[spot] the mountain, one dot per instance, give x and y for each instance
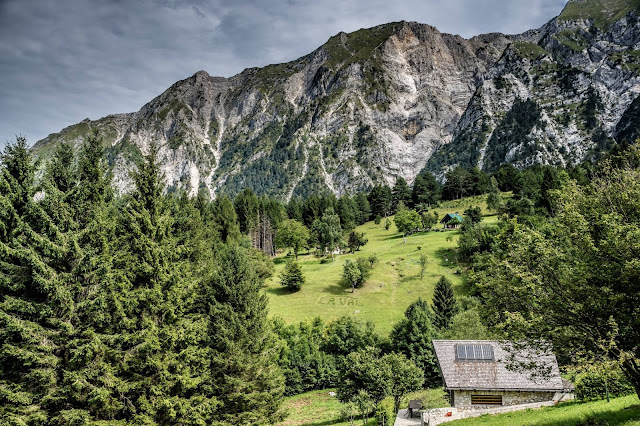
(388, 101)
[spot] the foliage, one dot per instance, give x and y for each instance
(467, 325)
(407, 221)
(379, 376)
(348, 334)
(412, 337)
(601, 381)
(328, 230)
(356, 240)
(355, 274)
(474, 214)
(572, 282)
(385, 412)
(401, 193)
(444, 304)
(292, 276)
(305, 365)
(423, 264)
(292, 234)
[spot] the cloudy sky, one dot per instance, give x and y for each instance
(65, 60)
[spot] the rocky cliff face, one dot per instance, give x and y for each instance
(379, 103)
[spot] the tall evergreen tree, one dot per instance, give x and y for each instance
(380, 200)
(364, 208)
(244, 373)
(444, 304)
(426, 190)
(35, 304)
(401, 193)
(412, 337)
(145, 309)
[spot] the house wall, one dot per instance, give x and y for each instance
(463, 398)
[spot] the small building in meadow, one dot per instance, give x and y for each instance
(451, 221)
(476, 375)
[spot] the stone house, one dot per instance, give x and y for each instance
(475, 374)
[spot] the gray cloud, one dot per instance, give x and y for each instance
(63, 61)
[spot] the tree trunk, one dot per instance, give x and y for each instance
(632, 371)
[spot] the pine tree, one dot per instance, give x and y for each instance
(444, 304)
(149, 340)
(35, 304)
(426, 190)
(292, 276)
(244, 373)
(412, 337)
(401, 193)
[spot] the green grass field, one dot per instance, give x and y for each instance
(318, 408)
(395, 281)
(620, 411)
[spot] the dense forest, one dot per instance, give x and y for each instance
(147, 308)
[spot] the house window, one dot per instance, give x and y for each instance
(486, 399)
(474, 352)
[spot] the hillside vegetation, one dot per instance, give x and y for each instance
(394, 284)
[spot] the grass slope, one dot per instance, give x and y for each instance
(318, 408)
(394, 284)
(620, 411)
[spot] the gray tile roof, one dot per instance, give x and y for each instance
(474, 375)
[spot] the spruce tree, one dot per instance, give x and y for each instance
(244, 375)
(149, 337)
(412, 337)
(401, 193)
(292, 276)
(35, 303)
(444, 304)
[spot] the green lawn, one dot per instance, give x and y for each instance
(318, 408)
(394, 284)
(620, 411)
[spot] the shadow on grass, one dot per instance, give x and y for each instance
(280, 291)
(338, 289)
(357, 421)
(447, 257)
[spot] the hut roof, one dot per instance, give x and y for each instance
(482, 365)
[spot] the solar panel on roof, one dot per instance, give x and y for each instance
(474, 352)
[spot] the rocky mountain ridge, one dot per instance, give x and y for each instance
(379, 103)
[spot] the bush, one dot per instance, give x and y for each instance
(324, 260)
(292, 276)
(385, 416)
(594, 382)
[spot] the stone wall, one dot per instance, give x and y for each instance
(436, 416)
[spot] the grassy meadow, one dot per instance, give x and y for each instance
(318, 408)
(620, 411)
(394, 283)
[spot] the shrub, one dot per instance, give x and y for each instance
(385, 416)
(594, 383)
(292, 276)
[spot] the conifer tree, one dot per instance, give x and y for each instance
(412, 337)
(34, 302)
(244, 375)
(401, 193)
(149, 339)
(444, 304)
(292, 276)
